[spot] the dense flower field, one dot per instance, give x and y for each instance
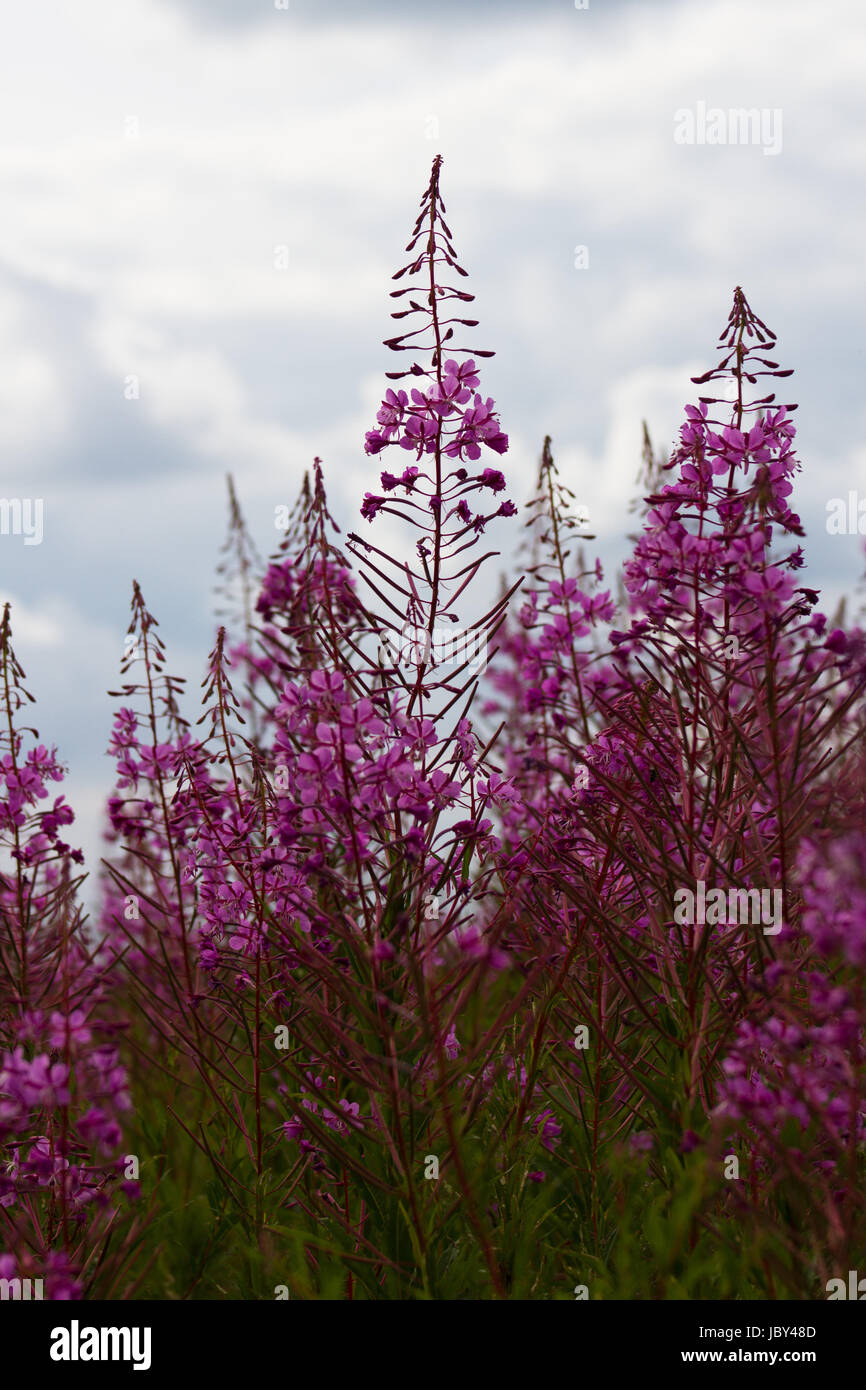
(459, 954)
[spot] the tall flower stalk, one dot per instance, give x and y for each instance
(63, 1091)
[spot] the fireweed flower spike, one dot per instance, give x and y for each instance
(446, 425)
(544, 679)
(708, 726)
(63, 1091)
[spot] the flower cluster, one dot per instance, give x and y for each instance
(63, 1089)
(805, 1062)
(448, 424)
(449, 416)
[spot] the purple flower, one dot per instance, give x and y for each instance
(74, 1026)
(549, 1129)
(498, 442)
(492, 478)
(641, 1142)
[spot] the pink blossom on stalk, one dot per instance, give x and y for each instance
(59, 1093)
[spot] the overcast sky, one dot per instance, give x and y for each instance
(154, 153)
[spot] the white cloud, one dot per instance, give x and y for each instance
(35, 627)
(33, 405)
